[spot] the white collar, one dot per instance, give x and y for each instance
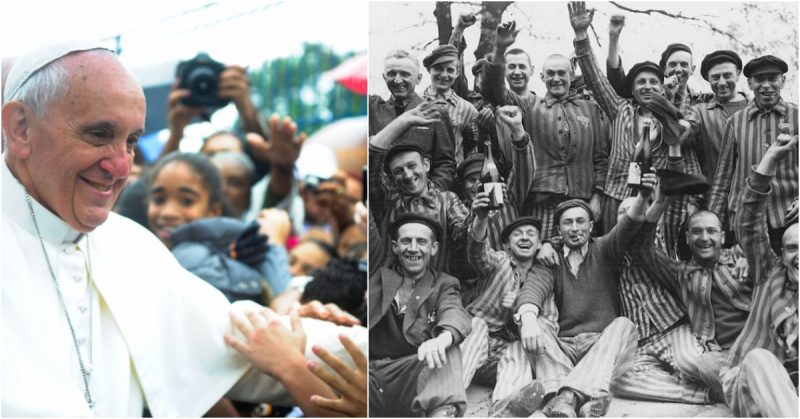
(584, 250)
(54, 229)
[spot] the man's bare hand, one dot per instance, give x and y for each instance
(233, 85)
(616, 24)
(466, 20)
(547, 256)
(579, 17)
(432, 351)
(283, 148)
(531, 334)
(351, 385)
(506, 34)
(268, 344)
(178, 114)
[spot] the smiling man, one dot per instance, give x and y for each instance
(747, 135)
(416, 322)
(91, 324)
(401, 75)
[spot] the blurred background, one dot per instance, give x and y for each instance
(751, 29)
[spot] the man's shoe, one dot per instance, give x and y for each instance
(679, 183)
(561, 406)
(522, 403)
(596, 407)
(446, 411)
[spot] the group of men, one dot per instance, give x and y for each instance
(574, 290)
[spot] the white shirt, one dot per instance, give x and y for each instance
(157, 328)
(575, 258)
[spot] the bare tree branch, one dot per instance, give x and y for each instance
(703, 23)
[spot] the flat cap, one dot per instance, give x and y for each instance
(572, 203)
(671, 49)
(635, 70)
(400, 148)
(473, 162)
(765, 64)
(442, 54)
(414, 217)
(32, 61)
(717, 57)
(520, 222)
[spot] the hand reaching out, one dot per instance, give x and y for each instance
(268, 344)
(579, 17)
(283, 148)
(351, 385)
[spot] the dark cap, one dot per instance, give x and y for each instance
(766, 64)
(419, 218)
(635, 70)
(441, 54)
(519, 222)
(571, 203)
(397, 149)
(471, 163)
(717, 57)
(671, 49)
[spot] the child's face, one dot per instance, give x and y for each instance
(178, 196)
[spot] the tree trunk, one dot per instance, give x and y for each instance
(491, 14)
(444, 21)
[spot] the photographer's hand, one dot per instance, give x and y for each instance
(178, 116)
(233, 85)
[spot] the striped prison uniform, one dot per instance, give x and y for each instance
(748, 135)
(666, 343)
(773, 320)
(494, 341)
(593, 345)
(518, 183)
(435, 139)
(624, 136)
(724, 284)
(463, 117)
(387, 202)
(707, 121)
(570, 142)
(752, 389)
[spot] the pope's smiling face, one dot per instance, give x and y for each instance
(81, 148)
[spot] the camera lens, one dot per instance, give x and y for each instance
(202, 81)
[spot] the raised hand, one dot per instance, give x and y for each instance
(579, 17)
(178, 114)
(616, 24)
(506, 34)
(480, 204)
(466, 20)
(283, 148)
(249, 247)
(425, 113)
(233, 85)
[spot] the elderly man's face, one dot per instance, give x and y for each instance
(401, 76)
(767, 88)
(443, 75)
(722, 78)
(81, 150)
(414, 247)
(680, 62)
(410, 172)
(518, 72)
(646, 84)
(557, 76)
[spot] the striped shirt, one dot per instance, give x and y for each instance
(772, 324)
(499, 275)
(649, 305)
(387, 202)
(708, 125)
(694, 285)
(624, 132)
(570, 138)
(463, 116)
(748, 134)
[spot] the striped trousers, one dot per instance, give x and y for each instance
(407, 387)
(588, 362)
(485, 355)
(650, 378)
(760, 386)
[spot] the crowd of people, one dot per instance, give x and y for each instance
(239, 288)
(584, 284)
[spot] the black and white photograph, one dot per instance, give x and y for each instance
(583, 209)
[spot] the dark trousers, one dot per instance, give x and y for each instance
(406, 387)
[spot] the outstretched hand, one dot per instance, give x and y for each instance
(351, 385)
(268, 344)
(579, 17)
(283, 147)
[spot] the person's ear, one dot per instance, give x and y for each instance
(16, 123)
(434, 248)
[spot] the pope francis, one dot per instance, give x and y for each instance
(98, 319)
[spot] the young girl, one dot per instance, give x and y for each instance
(188, 212)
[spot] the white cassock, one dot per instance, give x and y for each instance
(157, 329)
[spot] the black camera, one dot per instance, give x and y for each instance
(201, 76)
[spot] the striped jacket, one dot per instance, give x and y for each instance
(462, 115)
(624, 134)
(693, 283)
(748, 134)
(570, 138)
(386, 203)
(772, 323)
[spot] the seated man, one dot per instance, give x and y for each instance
(416, 322)
(756, 384)
(592, 344)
